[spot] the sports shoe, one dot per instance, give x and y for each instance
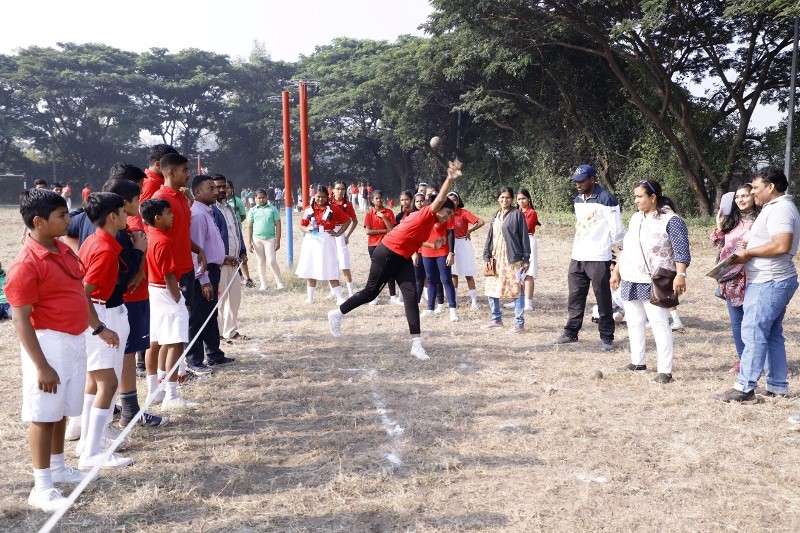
(146, 420)
(630, 367)
(178, 404)
(794, 419)
(373, 302)
(141, 373)
(335, 322)
(279, 287)
(224, 360)
(249, 284)
(677, 325)
(48, 500)
(735, 396)
(735, 368)
(453, 315)
(662, 378)
(104, 445)
(607, 345)
(427, 313)
(510, 305)
(308, 301)
(396, 300)
(419, 352)
(158, 397)
(340, 301)
(67, 475)
(770, 394)
(331, 295)
(474, 306)
(262, 288)
(199, 369)
(73, 431)
(493, 324)
(439, 309)
(566, 338)
(528, 307)
(515, 331)
(114, 460)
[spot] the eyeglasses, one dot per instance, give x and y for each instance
(648, 185)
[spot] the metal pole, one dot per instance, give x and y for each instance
(304, 170)
(787, 163)
(199, 167)
(287, 177)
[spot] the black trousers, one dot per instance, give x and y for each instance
(581, 274)
(201, 308)
(386, 265)
(392, 283)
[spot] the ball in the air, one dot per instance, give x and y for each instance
(436, 142)
(597, 374)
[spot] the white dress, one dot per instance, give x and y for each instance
(318, 257)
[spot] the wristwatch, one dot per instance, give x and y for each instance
(682, 274)
(99, 329)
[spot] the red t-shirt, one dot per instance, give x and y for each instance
(347, 207)
(407, 237)
(152, 183)
(373, 221)
(160, 257)
(462, 219)
(439, 230)
(85, 193)
(135, 223)
(328, 217)
(100, 256)
(53, 284)
(532, 219)
(181, 220)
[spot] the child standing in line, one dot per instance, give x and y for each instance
(100, 255)
(437, 258)
(264, 236)
(43, 281)
(465, 223)
(378, 222)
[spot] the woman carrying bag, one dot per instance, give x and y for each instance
(654, 258)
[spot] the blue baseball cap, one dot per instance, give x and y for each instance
(583, 172)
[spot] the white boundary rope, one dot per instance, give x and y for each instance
(78, 490)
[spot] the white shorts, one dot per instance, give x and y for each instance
(169, 320)
(67, 355)
(533, 269)
(318, 258)
(342, 252)
(100, 355)
(464, 264)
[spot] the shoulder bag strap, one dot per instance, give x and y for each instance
(646, 264)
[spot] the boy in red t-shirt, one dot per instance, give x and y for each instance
(43, 281)
(108, 328)
(169, 316)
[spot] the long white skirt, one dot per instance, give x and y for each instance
(342, 252)
(464, 264)
(318, 258)
(533, 269)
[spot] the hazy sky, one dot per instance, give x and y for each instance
(228, 27)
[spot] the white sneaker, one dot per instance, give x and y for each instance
(158, 398)
(425, 295)
(309, 301)
(104, 444)
(279, 287)
(340, 301)
(794, 419)
(677, 325)
(453, 315)
(178, 404)
(262, 288)
(49, 500)
(374, 302)
(395, 300)
(509, 305)
(115, 460)
(439, 309)
(69, 475)
(419, 352)
(73, 431)
(111, 433)
(474, 306)
(528, 307)
(335, 322)
(331, 296)
(427, 313)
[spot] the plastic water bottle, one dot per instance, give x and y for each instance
(313, 225)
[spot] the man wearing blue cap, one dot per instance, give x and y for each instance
(598, 227)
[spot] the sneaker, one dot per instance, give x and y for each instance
(474, 306)
(770, 394)
(147, 420)
(249, 284)
(73, 431)
(141, 373)
(262, 288)
(419, 352)
(335, 322)
(224, 360)
(199, 369)
(439, 309)
(309, 301)
(114, 460)
(566, 338)
(677, 326)
(630, 367)
(607, 345)
(67, 475)
(373, 302)
(331, 296)
(178, 404)
(395, 300)
(48, 500)
(340, 301)
(427, 313)
(493, 324)
(453, 315)
(515, 331)
(158, 397)
(735, 396)
(279, 287)
(662, 378)
(735, 368)
(794, 419)
(528, 307)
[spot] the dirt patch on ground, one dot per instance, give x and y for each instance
(495, 433)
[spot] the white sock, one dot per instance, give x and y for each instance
(416, 341)
(528, 302)
(88, 401)
(172, 390)
(161, 373)
(152, 384)
(350, 287)
(676, 318)
(42, 479)
(57, 462)
(98, 418)
(473, 294)
(310, 292)
(338, 292)
(182, 367)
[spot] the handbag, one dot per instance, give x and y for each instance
(662, 293)
(490, 268)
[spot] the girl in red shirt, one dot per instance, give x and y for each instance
(378, 222)
(343, 241)
(318, 257)
(532, 219)
(464, 223)
(437, 257)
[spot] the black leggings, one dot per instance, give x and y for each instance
(386, 265)
(392, 284)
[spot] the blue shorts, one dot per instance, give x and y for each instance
(139, 320)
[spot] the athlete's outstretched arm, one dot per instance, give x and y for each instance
(453, 173)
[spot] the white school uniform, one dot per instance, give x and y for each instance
(169, 320)
(100, 355)
(464, 263)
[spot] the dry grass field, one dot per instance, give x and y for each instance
(494, 433)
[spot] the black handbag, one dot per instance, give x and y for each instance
(662, 292)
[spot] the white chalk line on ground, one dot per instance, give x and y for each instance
(78, 490)
(392, 427)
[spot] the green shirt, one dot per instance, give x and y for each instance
(262, 219)
(238, 206)
(3, 287)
